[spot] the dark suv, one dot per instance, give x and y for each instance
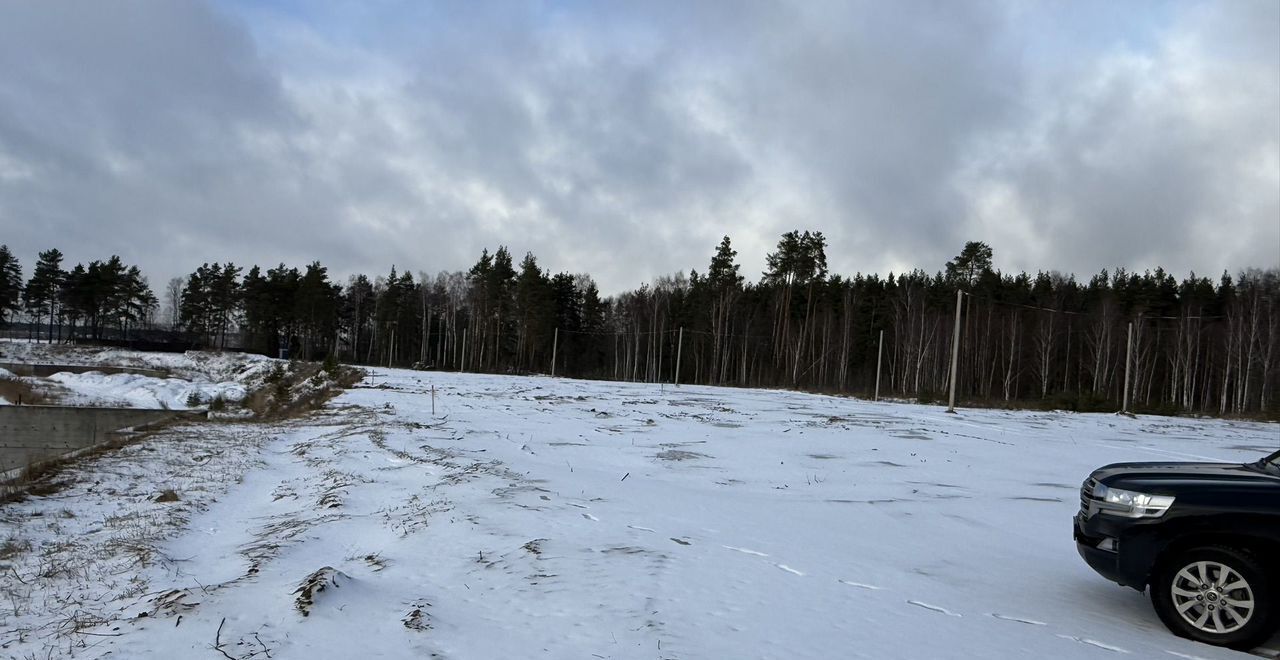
(1204, 536)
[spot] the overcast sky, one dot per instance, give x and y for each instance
(624, 139)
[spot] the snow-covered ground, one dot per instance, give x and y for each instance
(545, 518)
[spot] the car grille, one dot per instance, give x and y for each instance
(1086, 495)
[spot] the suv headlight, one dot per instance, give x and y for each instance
(1131, 504)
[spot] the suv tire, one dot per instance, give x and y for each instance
(1216, 595)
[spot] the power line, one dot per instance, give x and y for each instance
(1069, 312)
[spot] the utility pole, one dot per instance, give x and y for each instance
(955, 353)
(879, 355)
(1128, 364)
(679, 350)
(555, 343)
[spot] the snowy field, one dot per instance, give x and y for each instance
(545, 518)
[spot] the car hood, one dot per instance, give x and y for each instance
(1169, 478)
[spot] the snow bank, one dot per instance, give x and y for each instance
(134, 391)
(196, 378)
(191, 365)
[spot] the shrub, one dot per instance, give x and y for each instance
(331, 366)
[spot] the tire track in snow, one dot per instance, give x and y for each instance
(745, 551)
(1093, 642)
(933, 608)
(860, 585)
(1017, 619)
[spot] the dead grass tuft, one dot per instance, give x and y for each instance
(13, 547)
(167, 495)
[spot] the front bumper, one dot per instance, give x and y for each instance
(1129, 560)
(1105, 562)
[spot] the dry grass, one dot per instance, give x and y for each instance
(303, 387)
(20, 391)
(13, 547)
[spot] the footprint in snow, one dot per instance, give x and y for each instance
(590, 517)
(745, 551)
(933, 608)
(682, 541)
(1006, 617)
(1094, 642)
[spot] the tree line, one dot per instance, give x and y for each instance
(1199, 345)
(89, 301)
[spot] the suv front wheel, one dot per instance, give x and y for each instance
(1216, 595)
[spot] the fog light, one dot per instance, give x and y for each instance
(1107, 544)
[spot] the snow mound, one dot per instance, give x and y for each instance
(134, 391)
(313, 590)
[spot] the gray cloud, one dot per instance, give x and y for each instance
(1168, 156)
(623, 140)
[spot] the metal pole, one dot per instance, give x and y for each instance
(879, 354)
(955, 353)
(555, 343)
(433, 400)
(679, 350)
(463, 366)
(1128, 362)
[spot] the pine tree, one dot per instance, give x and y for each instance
(316, 307)
(10, 284)
(535, 316)
(972, 262)
(41, 295)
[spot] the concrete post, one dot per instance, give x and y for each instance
(679, 350)
(879, 355)
(1128, 364)
(955, 353)
(555, 343)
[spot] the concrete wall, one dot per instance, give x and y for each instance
(33, 433)
(46, 370)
